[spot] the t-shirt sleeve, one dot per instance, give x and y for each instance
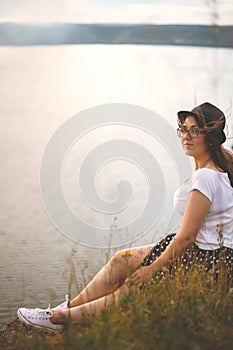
(204, 180)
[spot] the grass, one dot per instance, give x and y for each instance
(177, 313)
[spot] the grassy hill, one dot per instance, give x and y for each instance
(192, 313)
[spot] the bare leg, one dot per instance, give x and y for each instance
(112, 275)
(79, 313)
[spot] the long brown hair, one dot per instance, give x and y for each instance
(222, 158)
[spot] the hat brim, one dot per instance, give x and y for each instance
(182, 115)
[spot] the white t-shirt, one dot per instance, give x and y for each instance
(217, 228)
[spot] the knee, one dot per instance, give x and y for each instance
(117, 259)
(118, 263)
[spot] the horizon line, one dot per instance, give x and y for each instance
(115, 23)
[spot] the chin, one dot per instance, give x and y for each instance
(188, 153)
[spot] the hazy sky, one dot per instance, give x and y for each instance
(117, 11)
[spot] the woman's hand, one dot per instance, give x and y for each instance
(142, 275)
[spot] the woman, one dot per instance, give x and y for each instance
(205, 235)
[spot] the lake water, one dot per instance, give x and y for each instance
(41, 88)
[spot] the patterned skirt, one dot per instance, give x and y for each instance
(210, 261)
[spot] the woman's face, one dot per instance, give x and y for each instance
(193, 145)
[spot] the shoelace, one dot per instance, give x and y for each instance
(38, 313)
(38, 310)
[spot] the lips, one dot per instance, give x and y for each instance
(187, 146)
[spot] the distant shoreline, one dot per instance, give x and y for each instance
(14, 34)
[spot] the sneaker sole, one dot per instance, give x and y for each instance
(28, 323)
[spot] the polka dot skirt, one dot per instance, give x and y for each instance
(208, 260)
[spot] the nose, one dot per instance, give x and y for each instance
(186, 135)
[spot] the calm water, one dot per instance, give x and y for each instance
(41, 87)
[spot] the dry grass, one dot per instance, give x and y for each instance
(178, 313)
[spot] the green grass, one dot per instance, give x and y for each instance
(177, 313)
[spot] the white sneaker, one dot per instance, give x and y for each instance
(39, 318)
(63, 306)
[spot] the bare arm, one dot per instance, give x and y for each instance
(196, 210)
